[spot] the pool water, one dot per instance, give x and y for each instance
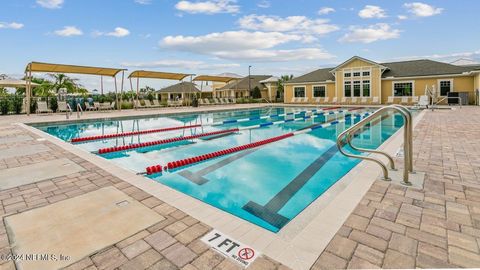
(268, 185)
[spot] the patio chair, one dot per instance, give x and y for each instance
(216, 101)
(62, 106)
(344, 100)
(404, 101)
(424, 101)
(138, 105)
(42, 107)
(317, 100)
(156, 103)
(148, 104)
(414, 100)
(89, 107)
(200, 102)
(225, 101)
(354, 100)
(234, 100)
(390, 100)
(112, 106)
(334, 100)
(326, 100)
(375, 100)
(96, 105)
(206, 101)
(363, 100)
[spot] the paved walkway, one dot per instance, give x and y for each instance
(437, 227)
(392, 227)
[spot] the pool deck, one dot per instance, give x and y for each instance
(391, 227)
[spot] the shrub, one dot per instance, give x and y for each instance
(150, 96)
(4, 105)
(256, 92)
(127, 105)
(54, 104)
(17, 103)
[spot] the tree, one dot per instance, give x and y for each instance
(63, 81)
(283, 79)
(3, 91)
(256, 92)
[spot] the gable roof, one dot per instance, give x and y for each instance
(243, 83)
(357, 58)
(318, 75)
(181, 87)
(423, 67)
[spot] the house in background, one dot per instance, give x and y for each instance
(183, 91)
(241, 88)
(361, 79)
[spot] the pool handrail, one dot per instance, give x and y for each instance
(407, 145)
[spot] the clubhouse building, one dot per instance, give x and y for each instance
(361, 81)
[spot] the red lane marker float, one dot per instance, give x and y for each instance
(331, 108)
(188, 161)
(123, 134)
(164, 141)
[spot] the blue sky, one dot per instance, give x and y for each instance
(215, 36)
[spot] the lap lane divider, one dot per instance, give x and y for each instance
(148, 131)
(188, 161)
(215, 133)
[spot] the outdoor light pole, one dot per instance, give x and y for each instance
(249, 84)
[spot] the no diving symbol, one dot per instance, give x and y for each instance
(246, 253)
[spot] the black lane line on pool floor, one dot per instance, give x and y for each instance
(269, 212)
(197, 177)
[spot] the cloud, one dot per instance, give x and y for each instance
(372, 33)
(369, 12)
(12, 25)
(444, 57)
(295, 24)
(117, 32)
(325, 10)
(264, 4)
(208, 7)
(51, 4)
(231, 45)
(143, 2)
(422, 10)
(68, 31)
(402, 17)
(183, 64)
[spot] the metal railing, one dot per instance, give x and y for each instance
(79, 110)
(349, 133)
(442, 99)
(68, 111)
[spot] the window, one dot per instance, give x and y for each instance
(403, 89)
(356, 74)
(348, 75)
(347, 89)
(299, 91)
(366, 88)
(356, 88)
(445, 87)
(319, 91)
(366, 74)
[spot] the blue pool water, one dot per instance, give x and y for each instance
(267, 186)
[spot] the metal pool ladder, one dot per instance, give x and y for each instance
(349, 133)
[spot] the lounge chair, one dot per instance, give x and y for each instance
(363, 100)
(206, 101)
(404, 101)
(334, 100)
(112, 106)
(390, 100)
(376, 100)
(138, 105)
(326, 100)
(96, 105)
(42, 107)
(156, 103)
(234, 100)
(343, 100)
(216, 101)
(317, 100)
(354, 100)
(62, 106)
(148, 104)
(225, 101)
(200, 102)
(414, 99)
(89, 107)
(424, 101)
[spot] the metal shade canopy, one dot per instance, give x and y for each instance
(61, 68)
(214, 78)
(158, 75)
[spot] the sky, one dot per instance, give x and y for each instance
(275, 37)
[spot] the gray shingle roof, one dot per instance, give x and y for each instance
(318, 75)
(422, 67)
(243, 83)
(412, 68)
(180, 88)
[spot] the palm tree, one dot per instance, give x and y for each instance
(63, 81)
(283, 79)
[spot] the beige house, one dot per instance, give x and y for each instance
(240, 88)
(361, 81)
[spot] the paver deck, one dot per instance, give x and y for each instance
(392, 227)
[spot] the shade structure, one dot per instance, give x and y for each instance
(158, 75)
(209, 78)
(9, 82)
(62, 68)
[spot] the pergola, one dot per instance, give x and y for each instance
(62, 68)
(210, 78)
(155, 75)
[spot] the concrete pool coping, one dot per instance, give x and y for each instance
(300, 242)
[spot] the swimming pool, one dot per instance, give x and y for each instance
(267, 184)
